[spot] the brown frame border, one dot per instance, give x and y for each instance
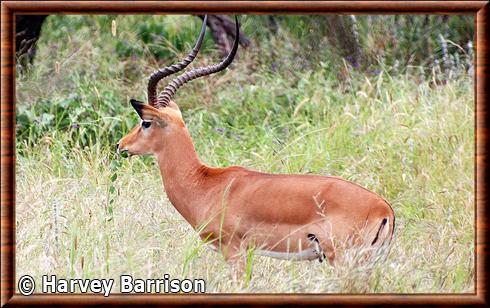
(10, 8)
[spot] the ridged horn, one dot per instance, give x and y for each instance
(169, 91)
(169, 70)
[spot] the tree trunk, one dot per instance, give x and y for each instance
(223, 32)
(346, 38)
(27, 31)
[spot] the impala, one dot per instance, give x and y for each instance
(296, 217)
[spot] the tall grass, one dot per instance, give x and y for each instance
(403, 135)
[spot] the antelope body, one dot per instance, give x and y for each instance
(300, 217)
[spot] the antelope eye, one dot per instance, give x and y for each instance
(145, 124)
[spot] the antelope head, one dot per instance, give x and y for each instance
(161, 118)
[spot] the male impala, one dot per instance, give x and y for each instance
(300, 217)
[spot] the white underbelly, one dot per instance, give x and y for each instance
(307, 254)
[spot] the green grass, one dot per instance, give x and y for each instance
(399, 135)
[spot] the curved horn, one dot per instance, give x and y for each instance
(169, 91)
(169, 70)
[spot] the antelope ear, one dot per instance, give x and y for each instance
(138, 106)
(175, 107)
(145, 111)
(149, 113)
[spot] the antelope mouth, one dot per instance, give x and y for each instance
(124, 153)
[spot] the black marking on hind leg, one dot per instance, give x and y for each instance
(379, 230)
(318, 250)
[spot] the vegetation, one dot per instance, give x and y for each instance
(400, 126)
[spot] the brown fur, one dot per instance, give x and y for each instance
(236, 208)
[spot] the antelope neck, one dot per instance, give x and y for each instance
(180, 170)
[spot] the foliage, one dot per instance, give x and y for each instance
(79, 108)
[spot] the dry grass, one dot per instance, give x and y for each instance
(63, 230)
